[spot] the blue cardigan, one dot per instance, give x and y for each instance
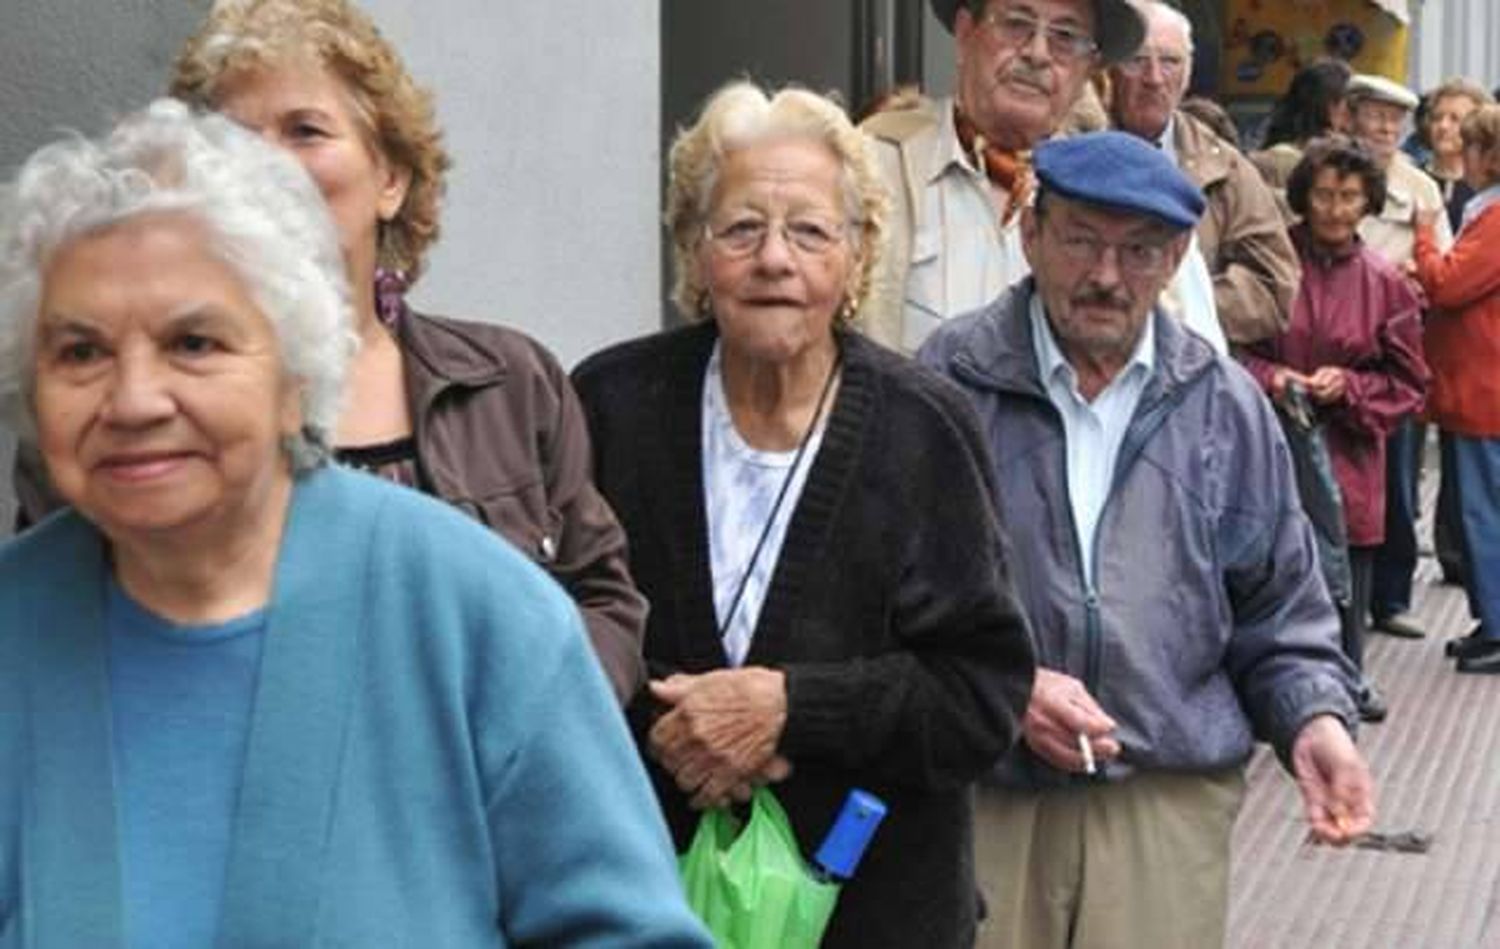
(434, 757)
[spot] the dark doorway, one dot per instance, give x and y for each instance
(855, 49)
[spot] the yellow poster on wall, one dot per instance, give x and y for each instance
(1267, 41)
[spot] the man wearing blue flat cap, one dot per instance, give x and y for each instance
(1165, 564)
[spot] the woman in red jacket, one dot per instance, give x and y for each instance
(1353, 347)
(1463, 345)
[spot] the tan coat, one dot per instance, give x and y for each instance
(1242, 235)
(1391, 233)
(945, 250)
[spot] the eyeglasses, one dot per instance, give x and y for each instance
(741, 237)
(1331, 199)
(1064, 43)
(1172, 65)
(1144, 257)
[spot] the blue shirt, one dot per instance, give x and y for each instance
(1093, 430)
(180, 701)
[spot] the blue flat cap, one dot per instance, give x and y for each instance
(1121, 172)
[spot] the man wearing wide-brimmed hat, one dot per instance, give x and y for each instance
(958, 168)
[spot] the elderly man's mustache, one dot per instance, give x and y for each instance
(1102, 297)
(1023, 73)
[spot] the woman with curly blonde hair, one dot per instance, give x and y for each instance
(476, 414)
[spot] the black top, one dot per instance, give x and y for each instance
(395, 460)
(1456, 193)
(908, 663)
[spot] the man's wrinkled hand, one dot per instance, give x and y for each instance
(1060, 710)
(1338, 794)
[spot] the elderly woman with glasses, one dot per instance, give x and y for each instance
(812, 518)
(1354, 349)
(247, 698)
(476, 414)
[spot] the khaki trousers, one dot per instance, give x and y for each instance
(1138, 864)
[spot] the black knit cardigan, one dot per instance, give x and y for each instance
(908, 662)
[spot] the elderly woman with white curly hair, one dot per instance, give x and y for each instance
(812, 519)
(247, 698)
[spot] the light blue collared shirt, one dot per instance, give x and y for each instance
(1093, 430)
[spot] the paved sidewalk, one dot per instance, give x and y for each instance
(1437, 769)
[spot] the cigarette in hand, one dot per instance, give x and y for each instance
(1087, 750)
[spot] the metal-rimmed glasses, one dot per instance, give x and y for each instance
(809, 234)
(1064, 43)
(1172, 65)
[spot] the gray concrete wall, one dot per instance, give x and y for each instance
(79, 63)
(551, 116)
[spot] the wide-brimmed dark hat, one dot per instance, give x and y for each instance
(1119, 27)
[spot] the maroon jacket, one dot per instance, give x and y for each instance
(1355, 311)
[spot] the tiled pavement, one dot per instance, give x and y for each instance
(1436, 761)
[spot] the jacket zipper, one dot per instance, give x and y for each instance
(1091, 630)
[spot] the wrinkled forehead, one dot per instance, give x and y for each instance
(1453, 103)
(792, 170)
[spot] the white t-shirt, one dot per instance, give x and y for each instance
(740, 485)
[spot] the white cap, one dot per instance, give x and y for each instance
(1380, 89)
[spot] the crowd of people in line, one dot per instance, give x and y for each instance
(1025, 457)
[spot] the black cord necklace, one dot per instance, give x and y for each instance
(786, 483)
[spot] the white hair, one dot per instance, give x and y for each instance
(1169, 13)
(741, 114)
(264, 216)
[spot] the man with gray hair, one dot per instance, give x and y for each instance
(1114, 428)
(1242, 236)
(957, 169)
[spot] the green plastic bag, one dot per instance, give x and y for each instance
(751, 887)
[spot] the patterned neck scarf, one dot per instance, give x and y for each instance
(1009, 171)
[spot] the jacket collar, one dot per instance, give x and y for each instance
(444, 351)
(1321, 255)
(947, 150)
(1201, 154)
(997, 351)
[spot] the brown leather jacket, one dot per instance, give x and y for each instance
(500, 436)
